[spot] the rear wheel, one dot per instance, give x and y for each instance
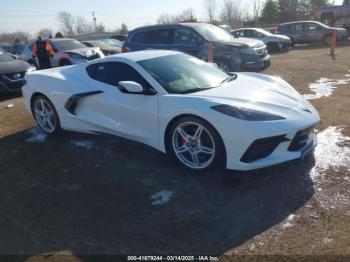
(196, 145)
(45, 115)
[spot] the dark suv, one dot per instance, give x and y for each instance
(310, 32)
(194, 38)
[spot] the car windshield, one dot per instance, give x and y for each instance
(5, 57)
(69, 44)
(213, 33)
(112, 42)
(184, 74)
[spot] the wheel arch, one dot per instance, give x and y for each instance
(35, 95)
(166, 139)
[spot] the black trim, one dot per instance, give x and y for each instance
(72, 102)
(300, 140)
(263, 148)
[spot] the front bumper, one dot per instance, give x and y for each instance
(10, 86)
(257, 63)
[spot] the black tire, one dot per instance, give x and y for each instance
(57, 127)
(273, 47)
(219, 159)
(292, 43)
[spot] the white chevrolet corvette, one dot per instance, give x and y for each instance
(180, 105)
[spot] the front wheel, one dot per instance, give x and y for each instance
(196, 145)
(45, 115)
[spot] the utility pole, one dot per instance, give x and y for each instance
(95, 20)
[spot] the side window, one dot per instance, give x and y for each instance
(160, 36)
(138, 38)
(298, 27)
(237, 34)
(184, 37)
(311, 27)
(113, 72)
(257, 34)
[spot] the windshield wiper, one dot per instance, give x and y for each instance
(194, 90)
(229, 79)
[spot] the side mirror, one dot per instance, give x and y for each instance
(131, 87)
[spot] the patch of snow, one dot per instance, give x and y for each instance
(37, 136)
(288, 222)
(9, 106)
(325, 87)
(83, 143)
(162, 197)
(331, 152)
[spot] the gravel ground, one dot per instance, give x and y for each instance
(79, 195)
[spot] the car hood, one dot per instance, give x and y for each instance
(15, 66)
(86, 52)
(257, 91)
(244, 42)
(280, 37)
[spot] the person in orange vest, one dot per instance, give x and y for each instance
(43, 51)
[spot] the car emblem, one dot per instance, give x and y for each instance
(307, 110)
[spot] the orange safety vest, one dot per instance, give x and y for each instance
(48, 48)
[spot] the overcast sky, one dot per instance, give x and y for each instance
(33, 15)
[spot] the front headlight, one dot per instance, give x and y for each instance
(249, 51)
(246, 113)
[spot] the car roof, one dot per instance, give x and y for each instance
(141, 55)
(299, 22)
(168, 25)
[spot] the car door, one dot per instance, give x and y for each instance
(185, 40)
(133, 116)
(298, 33)
(345, 11)
(313, 32)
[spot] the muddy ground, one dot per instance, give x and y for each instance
(83, 195)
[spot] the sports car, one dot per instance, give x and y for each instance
(203, 117)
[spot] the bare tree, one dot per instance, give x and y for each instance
(230, 13)
(187, 15)
(45, 32)
(256, 9)
(66, 21)
(100, 28)
(17, 37)
(210, 9)
(82, 25)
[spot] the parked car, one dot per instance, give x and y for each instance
(273, 42)
(66, 52)
(311, 32)
(180, 105)
(12, 73)
(120, 38)
(113, 43)
(106, 49)
(194, 38)
(331, 15)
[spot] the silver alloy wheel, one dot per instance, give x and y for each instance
(45, 115)
(193, 145)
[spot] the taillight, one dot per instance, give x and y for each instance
(278, 29)
(124, 50)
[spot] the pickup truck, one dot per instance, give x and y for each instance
(338, 14)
